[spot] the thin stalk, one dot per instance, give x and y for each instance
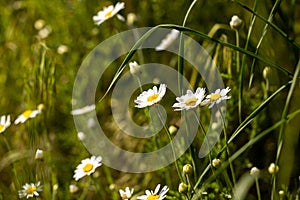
(171, 143)
(257, 188)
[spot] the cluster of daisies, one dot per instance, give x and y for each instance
(185, 102)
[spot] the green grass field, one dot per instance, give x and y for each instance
(42, 48)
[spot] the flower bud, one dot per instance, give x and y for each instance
(135, 68)
(73, 188)
(39, 154)
(182, 188)
(187, 169)
(273, 168)
(235, 22)
(216, 162)
(254, 171)
(172, 129)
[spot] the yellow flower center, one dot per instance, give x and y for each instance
(153, 197)
(108, 14)
(31, 190)
(27, 113)
(215, 97)
(152, 97)
(1, 127)
(191, 101)
(88, 167)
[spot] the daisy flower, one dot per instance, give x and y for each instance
(26, 115)
(150, 195)
(87, 167)
(126, 194)
(83, 110)
(4, 123)
(189, 100)
(108, 12)
(150, 97)
(167, 41)
(216, 97)
(235, 22)
(30, 190)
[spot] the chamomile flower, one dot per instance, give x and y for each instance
(151, 96)
(83, 110)
(4, 123)
(126, 194)
(189, 100)
(87, 167)
(108, 12)
(30, 190)
(27, 115)
(216, 97)
(154, 195)
(167, 41)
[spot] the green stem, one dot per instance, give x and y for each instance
(257, 188)
(172, 145)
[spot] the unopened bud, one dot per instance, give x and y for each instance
(73, 188)
(254, 171)
(187, 169)
(182, 188)
(273, 168)
(216, 162)
(235, 22)
(39, 154)
(172, 129)
(135, 68)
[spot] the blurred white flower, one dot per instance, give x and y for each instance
(81, 136)
(167, 41)
(83, 110)
(4, 123)
(254, 171)
(131, 18)
(235, 22)
(189, 100)
(30, 190)
(39, 154)
(216, 97)
(73, 188)
(172, 129)
(45, 32)
(87, 167)
(26, 115)
(154, 195)
(126, 194)
(216, 162)
(61, 49)
(150, 97)
(134, 68)
(272, 169)
(39, 24)
(108, 12)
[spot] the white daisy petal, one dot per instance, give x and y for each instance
(218, 96)
(168, 40)
(87, 167)
(150, 97)
(27, 115)
(4, 123)
(189, 100)
(154, 194)
(108, 12)
(30, 190)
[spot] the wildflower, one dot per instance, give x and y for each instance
(216, 162)
(216, 97)
(182, 188)
(39, 154)
(45, 32)
(108, 12)
(83, 110)
(150, 195)
(235, 22)
(73, 188)
(135, 68)
(81, 136)
(131, 18)
(273, 168)
(87, 167)
(39, 24)
(172, 129)
(254, 171)
(189, 100)
(126, 194)
(167, 41)
(26, 115)
(281, 193)
(61, 49)
(30, 190)
(187, 169)
(4, 123)
(150, 97)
